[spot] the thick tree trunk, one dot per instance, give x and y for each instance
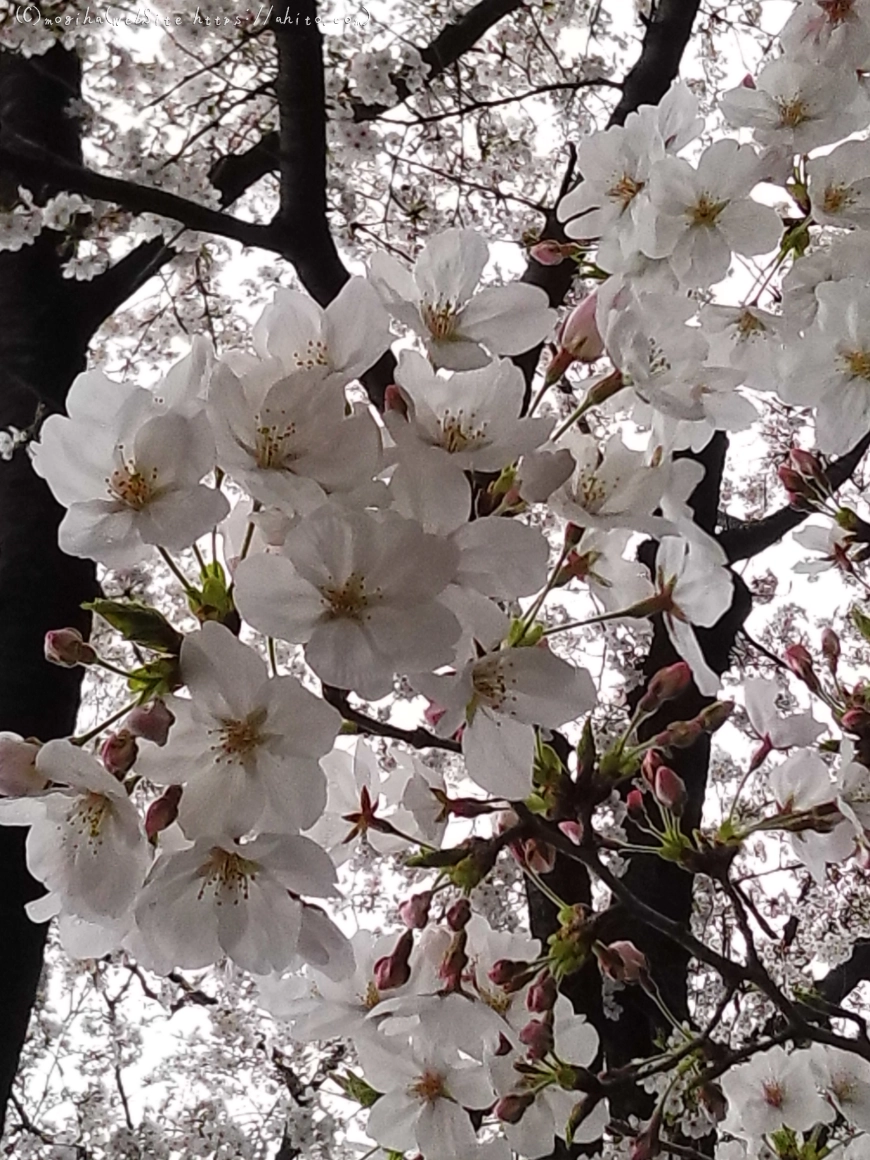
(42, 348)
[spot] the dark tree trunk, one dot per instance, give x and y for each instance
(42, 348)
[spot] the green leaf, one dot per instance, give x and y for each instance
(139, 623)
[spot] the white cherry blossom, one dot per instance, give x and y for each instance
(345, 338)
(128, 471)
(839, 186)
(245, 746)
(219, 897)
(86, 843)
(425, 1094)
(775, 1089)
(499, 697)
(440, 302)
(360, 592)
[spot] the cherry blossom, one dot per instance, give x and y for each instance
(360, 592)
(245, 746)
(128, 472)
(440, 302)
(773, 1090)
(86, 843)
(219, 897)
(499, 698)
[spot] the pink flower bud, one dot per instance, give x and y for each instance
(652, 759)
(18, 773)
(806, 464)
(151, 722)
(67, 647)
(579, 332)
(541, 996)
(414, 911)
(537, 1036)
(800, 662)
(748, 82)
(548, 253)
(510, 1109)
(572, 830)
(163, 812)
(634, 805)
(578, 339)
(459, 914)
(118, 752)
(510, 974)
(622, 961)
(665, 685)
(394, 970)
(670, 790)
(855, 720)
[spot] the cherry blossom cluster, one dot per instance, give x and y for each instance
(211, 817)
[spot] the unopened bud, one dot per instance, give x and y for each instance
(67, 647)
(572, 830)
(714, 716)
(537, 1036)
(163, 812)
(541, 996)
(800, 662)
(807, 464)
(459, 914)
(664, 686)
(856, 720)
(18, 773)
(652, 759)
(118, 752)
(414, 911)
(151, 722)
(510, 1109)
(621, 960)
(394, 970)
(679, 735)
(511, 974)
(713, 1099)
(548, 253)
(670, 790)
(634, 805)
(578, 339)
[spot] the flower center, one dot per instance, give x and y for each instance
(372, 996)
(705, 211)
(748, 325)
(793, 113)
(857, 363)
(625, 190)
(349, 600)
(88, 815)
(844, 1088)
(270, 450)
(837, 198)
(238, 739)
(441, 319)
(429, 1087)
(227, 872)
(131, 487)
(837, 11)
(488, 683)
(313, 354)
(774, 1093)
(459, 434)
(590, 491)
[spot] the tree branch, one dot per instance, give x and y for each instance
(55, 175)
(749, 539)
(449, 45)
(232, 175)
